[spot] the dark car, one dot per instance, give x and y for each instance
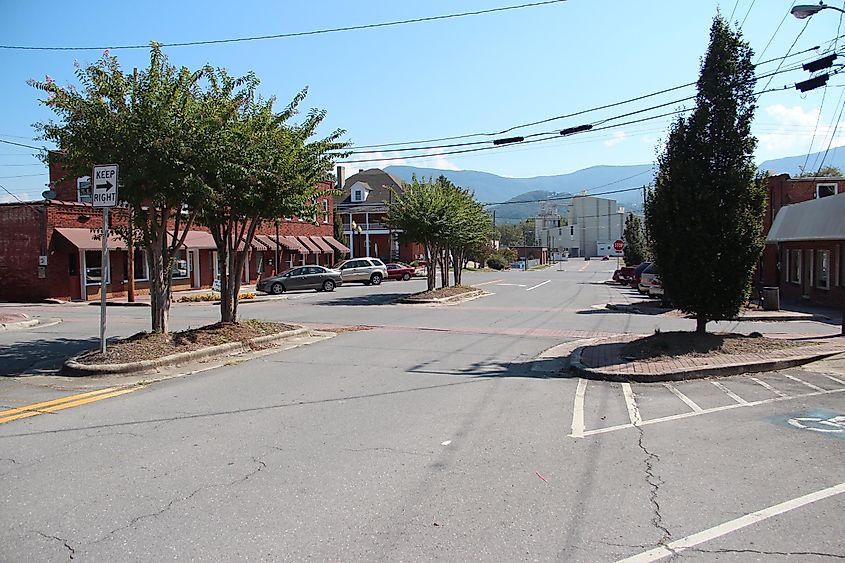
(303, 277)
(399, 271)
(624, 275)
(638, 271)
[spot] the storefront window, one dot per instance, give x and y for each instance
(140, 265)
(823, 269)
(93, 267)
(794, 266)
(181, 265)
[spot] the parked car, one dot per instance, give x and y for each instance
(635, 280)
(646, 277)
(624, 275)
(656, 287)
(399, 271)
(303, 277)
(365, 270)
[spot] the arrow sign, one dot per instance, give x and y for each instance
(104, 181)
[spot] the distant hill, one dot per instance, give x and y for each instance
(597, 180)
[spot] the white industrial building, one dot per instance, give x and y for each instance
(594, 224)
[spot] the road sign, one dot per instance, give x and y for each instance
(618, 245)
(104, 185)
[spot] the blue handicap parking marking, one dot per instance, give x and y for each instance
(817, 421)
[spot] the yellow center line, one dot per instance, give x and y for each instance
(63, 403)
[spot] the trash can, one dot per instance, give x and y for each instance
(771, 298)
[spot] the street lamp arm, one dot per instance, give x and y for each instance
(806, 10)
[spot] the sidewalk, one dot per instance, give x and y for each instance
(604, 361)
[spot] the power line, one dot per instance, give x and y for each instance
(772, 38)
(746, 13)
(22, 145)
(293, 34)
(24, 175)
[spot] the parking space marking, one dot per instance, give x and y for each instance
(538, 285)
(631, 404)
(765, 385)
(578, 410)
(802, 382)
(672, 548)
(730, 393)
(579, 428)
(836, 379)
(584, 267)
(689, 402)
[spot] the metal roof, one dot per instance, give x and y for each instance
(817, 219)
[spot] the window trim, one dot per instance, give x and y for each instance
(834, 185)
(792, 262)
(144, 265)
(85, 269)
(817, 283)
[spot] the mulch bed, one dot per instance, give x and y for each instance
(13, 317)
(152, 345)
(675, 344)
(443, 292)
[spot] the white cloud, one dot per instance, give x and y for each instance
(434, 161)
(617, 138)
(790, 130)
(8, 198)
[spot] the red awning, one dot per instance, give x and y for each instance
(306, 242)
(323, 245)
(294, 244)
(200, 240)
(337, 244)
(83, 239)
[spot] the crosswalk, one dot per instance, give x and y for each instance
(601, 407)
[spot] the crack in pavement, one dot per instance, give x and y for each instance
(765, 552)
(654, 483)
(169, 505)
(64, 542)
(386, 449)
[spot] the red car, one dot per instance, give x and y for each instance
(399, 271)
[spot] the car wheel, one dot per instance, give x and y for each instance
(406, 276)
(328, 285)
(277, 288)
(375, 279)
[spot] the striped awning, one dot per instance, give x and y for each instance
(312, 247)
(322, 244)
(339, 246)
(293, 244)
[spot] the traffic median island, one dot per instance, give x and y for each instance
(149, 350)
(675, 356)
(445, 295)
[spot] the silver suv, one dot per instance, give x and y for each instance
(365, 270)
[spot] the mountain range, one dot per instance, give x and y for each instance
(518, 197)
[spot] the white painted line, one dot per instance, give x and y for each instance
(631, 403)
(836, 379)
(730, 393)
(446, 443)
(538, 285)
(689, 402)
(676, 546)
(487, 282)
(708, 411)
(802, 382)
(769, 387)
(584, 267)
(513, 284)
(578, 410)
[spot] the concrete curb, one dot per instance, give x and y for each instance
(78, 368)
(446, 300)
(30, 323)
(120, 303)
(598, 374)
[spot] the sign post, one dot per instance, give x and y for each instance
(104, 195)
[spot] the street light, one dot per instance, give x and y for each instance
(806, 10)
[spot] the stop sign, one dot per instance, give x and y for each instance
(618, 245)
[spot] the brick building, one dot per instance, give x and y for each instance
(363, 205)
(51, 248)
(804, 225)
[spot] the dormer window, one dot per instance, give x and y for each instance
(358, 195)
(825, 190)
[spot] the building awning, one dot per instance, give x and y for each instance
(83, 239)
(818, 219)
(199, 240)
(306, 242)
(324, 247)
(293, 243)
(337, 244)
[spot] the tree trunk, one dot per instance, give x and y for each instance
(159, 290)
(458, 266)
(700, 324)
(444, 267)
(226, 302)
(431, 271)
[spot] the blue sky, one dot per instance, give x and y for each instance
(436, 79)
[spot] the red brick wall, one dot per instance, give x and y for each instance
(20, 243)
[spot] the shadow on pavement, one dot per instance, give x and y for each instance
(537, 368)
(40, 357)
(359, 300)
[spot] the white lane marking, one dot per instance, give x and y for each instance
(584, 267)
(689, 402)
(676, 546)
(802, 382)
(538, 285)
(707, 411)
(512, 284)
(836, 379)
(578, 410)
(769, 387)
(730, 393)
(446, 443)
(631, 403)
(486, 283)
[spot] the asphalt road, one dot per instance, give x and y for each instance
(436, 435)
